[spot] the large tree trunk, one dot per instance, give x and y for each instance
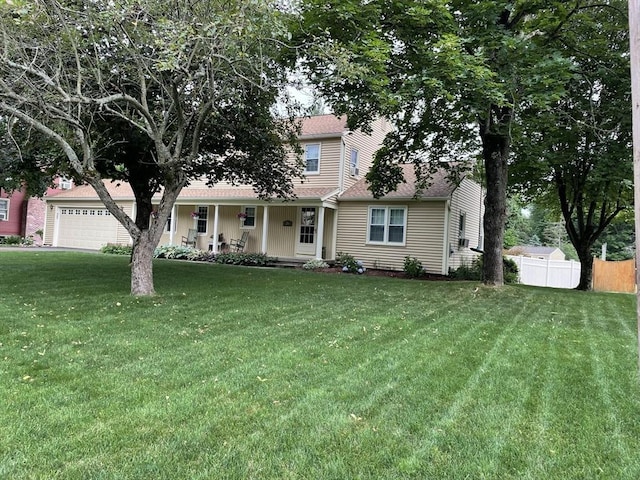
(142, 265)
(586, 267)
(495, 150)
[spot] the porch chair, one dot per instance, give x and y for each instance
(190, 239)
(237, 245)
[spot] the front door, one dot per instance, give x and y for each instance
(306, 244)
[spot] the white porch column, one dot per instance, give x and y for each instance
(214, 239)
(320, 232)
(172, 227)
(265, 228)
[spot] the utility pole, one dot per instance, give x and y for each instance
(634, 45)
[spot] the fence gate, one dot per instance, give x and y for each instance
(614, 276)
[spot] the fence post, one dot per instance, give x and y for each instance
(548, 274)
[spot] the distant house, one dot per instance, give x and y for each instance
(23, 216)
(544, 253)
(332, 212)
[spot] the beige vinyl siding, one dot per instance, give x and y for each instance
(281, 240)
(49, 223)
(467, 199)
(330, 151)
(367, 145)
(424, 235)
(327, 241)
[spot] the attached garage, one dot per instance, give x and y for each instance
(90, 228)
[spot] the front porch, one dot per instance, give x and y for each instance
(292, 231)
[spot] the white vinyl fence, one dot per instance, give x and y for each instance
(547, 273)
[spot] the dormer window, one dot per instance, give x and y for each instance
(65, 183)
(312, 158)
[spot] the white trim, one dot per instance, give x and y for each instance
(445, 246)
(312, 172)
(319, 231)
(174, 219)
(56, 226)
(343, 153)
(4, 212)
(243, 209)
(387, 218)
(265, 227)
(215, 235)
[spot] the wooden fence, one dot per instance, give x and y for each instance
(614, 276)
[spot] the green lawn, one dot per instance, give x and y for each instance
(245, 373)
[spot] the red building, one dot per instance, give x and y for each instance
(24, 216)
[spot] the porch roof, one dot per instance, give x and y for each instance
(441, 188)
(121, 191)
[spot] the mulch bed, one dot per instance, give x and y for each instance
(371, 272)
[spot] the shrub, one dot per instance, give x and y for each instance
(315, 264)
(474, 271)
(176, 252)
(12, 240)
(510, 270)
(117, 249)
(252, 259)
(349, 264)
(466, 271)
(413, 267)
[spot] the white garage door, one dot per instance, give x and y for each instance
(90, 228)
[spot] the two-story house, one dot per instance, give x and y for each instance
(332, 212)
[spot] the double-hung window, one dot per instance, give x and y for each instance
(203, 217)
(312, 158)
(4, 209)
(249, 219)
(387, 225)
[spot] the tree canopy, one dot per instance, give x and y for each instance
(575, 155)
(454, 77)
(152, 92)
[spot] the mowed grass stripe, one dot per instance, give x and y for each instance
(258, 373)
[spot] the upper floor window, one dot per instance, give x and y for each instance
(65, 183)
(4, 209)
(387, 225)
(203, 217)
(248, 220)
(353, 162)
(312, 158)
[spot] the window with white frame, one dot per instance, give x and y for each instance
(249, 218)
(65, 183)
(387, 225)
(4, 209)
(353, 162)
(462, 224)
(203, 217)
(312, 158)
